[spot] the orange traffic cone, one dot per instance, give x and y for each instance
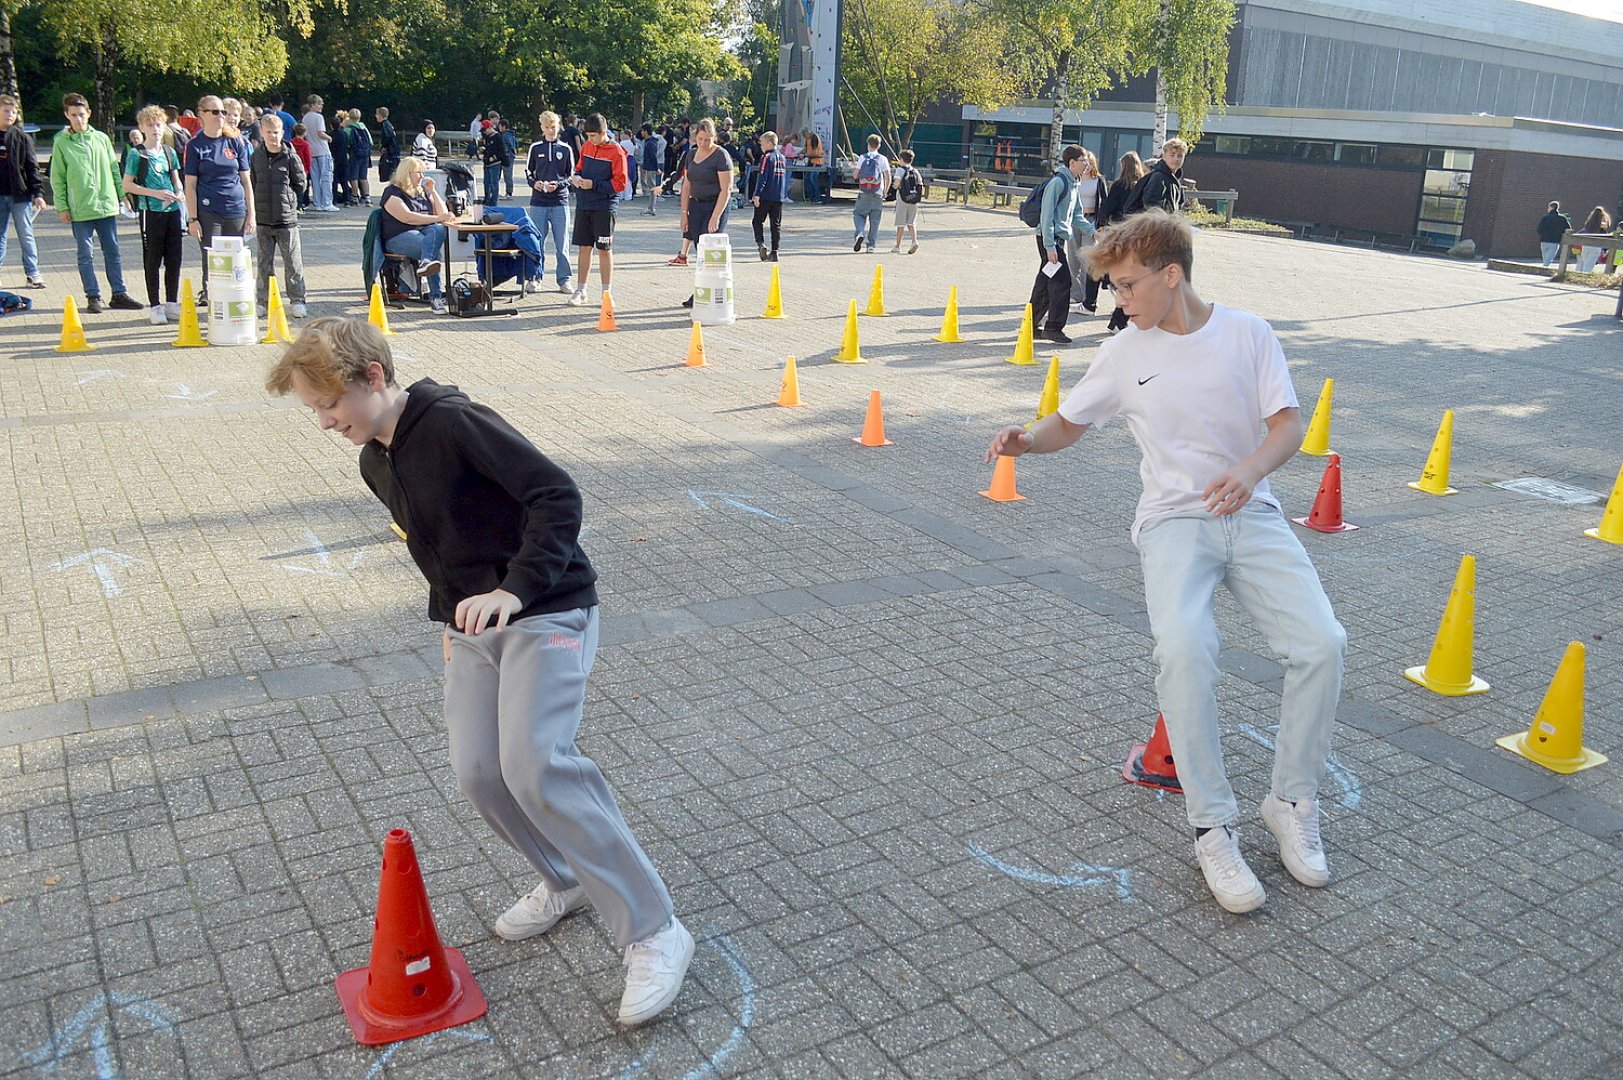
(1151, 763)
(873, 428)
(414, 985)
(789, 392)
(1002, 489)
(73, 331)
(605, 316)
(1326, 515)
(695, 348)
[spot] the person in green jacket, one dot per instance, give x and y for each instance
(85, 185)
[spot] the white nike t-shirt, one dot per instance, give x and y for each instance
(1195, 403)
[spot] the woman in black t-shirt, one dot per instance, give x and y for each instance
(413, 224)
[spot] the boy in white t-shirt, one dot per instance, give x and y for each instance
(1197, 384)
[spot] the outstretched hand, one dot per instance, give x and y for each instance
(1012, 441)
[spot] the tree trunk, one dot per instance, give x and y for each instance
(104, 108)
(1056, 132)
(639, 101)
(1159, 137)
(8, 62)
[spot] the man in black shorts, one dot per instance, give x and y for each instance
(600, 178)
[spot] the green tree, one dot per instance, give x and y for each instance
(1188, 45)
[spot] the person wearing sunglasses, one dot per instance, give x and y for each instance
(219, 190)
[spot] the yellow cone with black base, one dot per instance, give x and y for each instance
(1024, 352)
(789, 391)
(1610, 528)
(850, 347)
(876, 294)
(774, 297)
(1448, 671)
(1434, 481)
(1048, 404)
(73, 331)
(949, 320)
(1556, 738)
(275, 318)
(191, 335)
(1317, 439)
(377, 314)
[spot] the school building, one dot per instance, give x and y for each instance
(1432, 118)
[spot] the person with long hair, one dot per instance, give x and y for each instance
(1129, 171)
(709, 171)
(1090, 198)
(1598, 221)
(219, 191)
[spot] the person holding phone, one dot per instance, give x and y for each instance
(547, 169)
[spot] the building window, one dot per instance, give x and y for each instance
(1314, 151)
(1413, 157)
(1268, 146)
(1444, 189)
(1450, 159)
(1355, 153)
(1233, 144)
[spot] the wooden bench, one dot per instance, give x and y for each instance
(1227, 198)
(1004, 194)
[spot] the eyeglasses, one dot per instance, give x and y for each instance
(215, 112)
(1124, 289)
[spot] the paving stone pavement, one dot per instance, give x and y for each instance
(868, 724)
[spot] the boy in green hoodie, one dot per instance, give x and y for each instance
(85, 185)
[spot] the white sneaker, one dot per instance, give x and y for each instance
(1297, 830)
(897, 250)
(437, 305)
(566, 286)
(578, 297)
(656, 966)
(539, 911)
(172, 309)
(1230, 879)
(155, 316)
(298, 311)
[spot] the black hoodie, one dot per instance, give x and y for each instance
(482, 508)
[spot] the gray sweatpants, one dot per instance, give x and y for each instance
(284, 238)
(513, 701)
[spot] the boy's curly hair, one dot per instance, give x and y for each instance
(331, 353)
(1155, 238)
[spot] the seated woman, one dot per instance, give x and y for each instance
(413, 224)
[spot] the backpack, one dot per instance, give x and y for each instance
(1135, 200)
(868, 178)
(10, 301)
(1031, 208)
(911, 187)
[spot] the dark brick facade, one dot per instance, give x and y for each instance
(1355, 197)
(1511, 190)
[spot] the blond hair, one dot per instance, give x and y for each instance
(330, 354)
(150, 112)
(407, 174)
(225, 123)
(355, 115)
(707, 125)
(1175, 144)
(1155, 238)
(548, 119)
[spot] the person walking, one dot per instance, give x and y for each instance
(1090, 197)
(770, 190)
(873, 181)
(1130, 172)
(908, 184)
(388, 145)
(85, 188)
(22, 194)
(1551, 228)
(1051, 291)
(653, 165)
(1598, 221)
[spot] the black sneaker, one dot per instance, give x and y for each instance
(93, 305)
(762, 251)
(1058, 337)
(688, 302)
(772, 257)
(125, 302)
(858, 245)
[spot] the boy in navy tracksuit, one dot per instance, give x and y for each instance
(599, 180)
(771, 189)
(547, 171)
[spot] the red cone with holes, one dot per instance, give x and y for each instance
(1326, 515)
(414, 985)
(1151, 763)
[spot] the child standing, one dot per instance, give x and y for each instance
(909, 187)
(494, 526)
(84, 187)
(771, 188)
(301, 146)
(1197, 383)
(279, 180)
(152, 177)
(599, 180)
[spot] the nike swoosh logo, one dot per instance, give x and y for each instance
(1141, 382)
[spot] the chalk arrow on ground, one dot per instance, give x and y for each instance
(102, 563)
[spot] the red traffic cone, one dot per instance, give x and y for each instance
(1326, 515)
(1151, 763)
(414, 985)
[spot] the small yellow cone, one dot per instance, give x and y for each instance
(1448, 671)
(1610, 528)
(1317, 439)
(73, 331)
(395, 528)
(850, 348)
(949, 319)
(378, 315)
(789, 391)
(275, 318)
(1024, 353)
(191, 335)
(1556, 738)
(695, 348)
(876, 294)
(1048, 404)
(1003, 489)
(774, 297)
(1434, 481)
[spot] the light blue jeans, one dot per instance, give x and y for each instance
(19, 212)
(869, 209)
(104, 230)
(555, 218)
(1257, 557)
(422, 243)
(321, 181)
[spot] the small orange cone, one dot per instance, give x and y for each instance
(1002, 489)
(605, 316)
(695, 348)
(873, 428)
(1151, 763)
(789, 391)
(1556, 738)
(1326, 515)
(73, 331)
(414, 985)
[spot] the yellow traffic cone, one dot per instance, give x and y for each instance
(695, 348)
(1024, 353)
(1434, 481)
(275, 318)
(850, 348)
(1317, 439)
(949, 320)
(1610, 528)
(1448, 671)
(395, 528)
(876, 294)
(191, 335)
(377, 315)
(1048, 404)
(1003, 489)
(73, 331)
(774, 297)
(1556, 738)
(789, 391)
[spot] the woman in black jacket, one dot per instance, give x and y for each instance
(1130, 170)
(1090, 195)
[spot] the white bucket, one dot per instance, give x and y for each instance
(231, 319)
(229, 265)
(715, 251)
(713, 281)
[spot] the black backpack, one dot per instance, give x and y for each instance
(911, 187)
(1031, 209)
